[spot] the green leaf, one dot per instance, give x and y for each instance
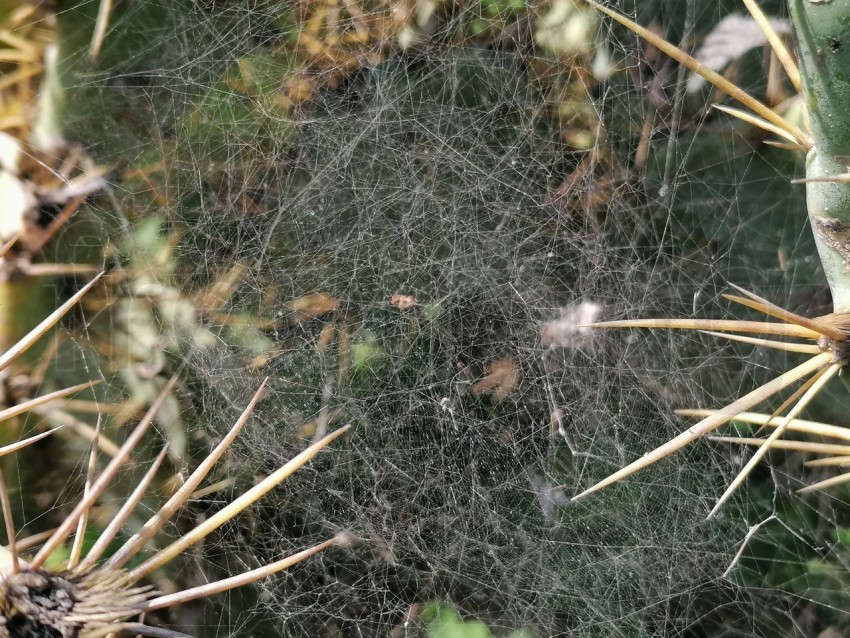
(445, 623)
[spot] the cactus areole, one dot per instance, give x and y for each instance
(823, 37)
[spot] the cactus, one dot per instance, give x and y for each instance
(825, 71)
(826, 87)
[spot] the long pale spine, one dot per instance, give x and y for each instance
(823, 39)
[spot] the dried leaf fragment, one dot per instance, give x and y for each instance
(311, 306)
(403, 302)
(502, 377)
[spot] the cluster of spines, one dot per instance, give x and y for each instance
(108, 593)
(825, 338)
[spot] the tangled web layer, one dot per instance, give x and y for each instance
(426, 216)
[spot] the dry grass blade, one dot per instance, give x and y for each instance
(246, 578)
(714, 421)
(776, 44)
(36, 539)
(800, 348)
(19, 445)
(41, 329)
(809, 391)
(117, 522)
(814, 428)
(794, 446)
(103, 480)
(21, 44)
(721, 325)
(717, 80)
(60, 418)
(213, 299)
(212, 489)
(10, 525)
(225, 514)
(784, 146)
(155, 523)
(8, 245)
(758, 122)
(100, 26)
(830, 461)
(58, 270)
(826, 483)
(79, 537)
(29, 405)
(763, 305)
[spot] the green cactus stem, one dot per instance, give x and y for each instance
(823, 38)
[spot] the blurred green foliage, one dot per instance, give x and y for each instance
(441, 621)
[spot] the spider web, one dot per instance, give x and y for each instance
(425, 217)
